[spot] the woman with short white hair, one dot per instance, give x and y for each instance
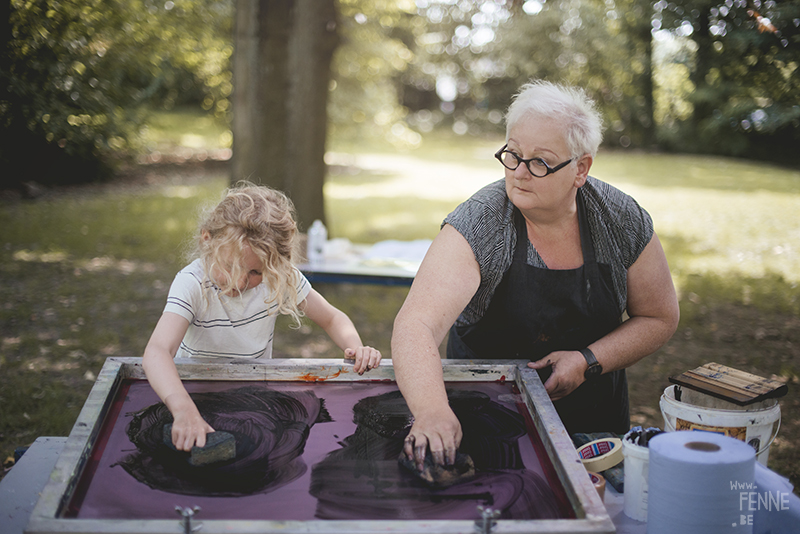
(548, 265)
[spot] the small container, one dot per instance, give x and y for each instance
(317, 237)
(637, 460)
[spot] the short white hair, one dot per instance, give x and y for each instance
(583, 124)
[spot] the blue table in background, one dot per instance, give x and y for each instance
(389, 263)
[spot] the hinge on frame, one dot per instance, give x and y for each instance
(187, 514)
(487, 521)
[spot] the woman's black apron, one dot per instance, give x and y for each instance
(536, 311)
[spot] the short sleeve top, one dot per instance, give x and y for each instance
(221, 325)
(619, 227)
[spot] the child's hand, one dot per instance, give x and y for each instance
(366, 358)
(189, 428)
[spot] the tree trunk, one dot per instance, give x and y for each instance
(638, 29)
(313, 42)
(261, 89)
(648, 121)
(281, 72)
(702, 98)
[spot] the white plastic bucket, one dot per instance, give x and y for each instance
(637, 461)
(756, 424)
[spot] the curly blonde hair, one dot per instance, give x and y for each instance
(263, 219)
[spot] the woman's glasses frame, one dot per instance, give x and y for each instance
(503, 154)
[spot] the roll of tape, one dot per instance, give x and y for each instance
(601, 454)
(599, 484)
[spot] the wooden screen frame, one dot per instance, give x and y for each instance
(47, 517)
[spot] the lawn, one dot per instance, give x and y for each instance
(85, 271)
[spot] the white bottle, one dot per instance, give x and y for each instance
(317, 236)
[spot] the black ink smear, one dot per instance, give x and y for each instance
(270, 428)
(363, 479)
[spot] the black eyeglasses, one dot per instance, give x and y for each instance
(536, 166)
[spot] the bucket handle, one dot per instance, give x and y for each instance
(671, 428)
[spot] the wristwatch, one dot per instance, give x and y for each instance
(595, 369)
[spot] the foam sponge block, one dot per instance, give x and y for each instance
(441, 476)
(219, 447)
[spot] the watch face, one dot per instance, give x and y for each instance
(593, 370)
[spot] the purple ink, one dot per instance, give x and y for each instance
(348, 451)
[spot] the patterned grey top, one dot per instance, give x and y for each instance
(620, 230)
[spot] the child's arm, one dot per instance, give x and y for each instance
(188, 427)
(341, 330)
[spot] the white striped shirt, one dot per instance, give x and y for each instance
(223, 326)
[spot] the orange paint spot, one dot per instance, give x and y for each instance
(309, 377)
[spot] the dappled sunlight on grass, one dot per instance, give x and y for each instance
(90, 265)
(409, 175)
(667, 171)
(714, 215)
(750, 233)
(142, 225)
(373, 219)
(167, 129)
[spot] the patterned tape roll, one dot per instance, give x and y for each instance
(599, 484)
(601, 454)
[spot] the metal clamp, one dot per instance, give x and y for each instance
(187, 514)
(487, 522)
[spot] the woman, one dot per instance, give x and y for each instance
(587, 254)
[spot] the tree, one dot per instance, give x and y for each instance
(487, 49)
(284, 65)
(310, 53)
(602, 46)
(261, 90)
(744, 76)
(78, 76)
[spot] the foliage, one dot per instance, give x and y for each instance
(452, 82)
(592, 44)
(375, 49)
(79, 73)
(744, 75)
(717, 76)
(713, 76)
(481, 52)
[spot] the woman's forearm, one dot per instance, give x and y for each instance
(417, 365)
(632, 340)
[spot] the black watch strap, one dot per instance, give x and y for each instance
(594, 368)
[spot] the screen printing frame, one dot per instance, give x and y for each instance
(48, 514)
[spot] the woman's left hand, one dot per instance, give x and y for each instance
(366, 358)
(568, 367)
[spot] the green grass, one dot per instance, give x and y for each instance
(717, 216)
(85, 272)
(184, 127)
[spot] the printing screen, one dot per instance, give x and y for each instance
(315, 451)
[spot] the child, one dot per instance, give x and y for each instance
(225, 303)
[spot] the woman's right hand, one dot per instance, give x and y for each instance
(437, 430)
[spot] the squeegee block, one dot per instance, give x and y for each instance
(441, 476)
(219, 447)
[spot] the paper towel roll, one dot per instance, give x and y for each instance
(695, 483)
